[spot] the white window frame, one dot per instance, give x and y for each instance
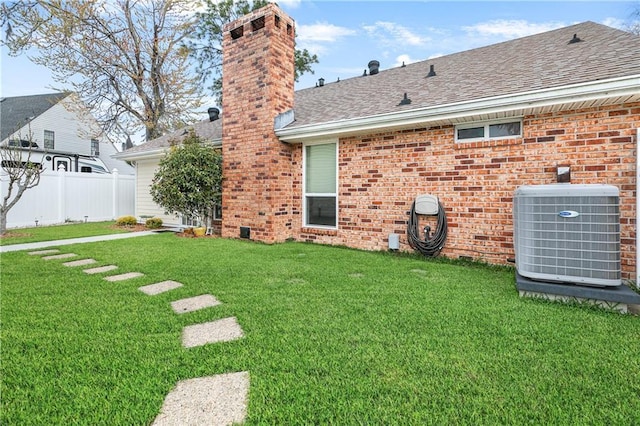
(95, 147)
(52, 140)
(486, 125)
(305, 194)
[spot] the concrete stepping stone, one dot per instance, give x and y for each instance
(41, 252)
(60, 256)
(81, 262)
(191, 304)
(224, 330)
(100, 269)
(213, 400)
(161, 287)
(122, 277)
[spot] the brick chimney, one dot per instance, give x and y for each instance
(257, 85)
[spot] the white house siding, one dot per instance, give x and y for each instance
(145, 169)
(73, 130)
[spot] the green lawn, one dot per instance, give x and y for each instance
(332, 336)
(60, 232)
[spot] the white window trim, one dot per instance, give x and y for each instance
(486, 125)
(316, 194)
(52, 133)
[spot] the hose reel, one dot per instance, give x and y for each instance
(425, 241)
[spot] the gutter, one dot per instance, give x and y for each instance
(637, 207)
(515, 103)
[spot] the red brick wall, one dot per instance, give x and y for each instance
(258, 78)
(381, 174)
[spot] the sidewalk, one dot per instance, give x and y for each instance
(56, 243)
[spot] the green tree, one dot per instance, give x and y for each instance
(206, 43)
(189, 179)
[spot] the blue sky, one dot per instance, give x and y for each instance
(346, 35)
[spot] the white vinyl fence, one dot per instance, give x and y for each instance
(68, 196)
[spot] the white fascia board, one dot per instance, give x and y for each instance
(622, 86)
(140, 155)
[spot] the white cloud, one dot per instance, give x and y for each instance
(615, 23)
(404, 59)
(290, 3)
(390, 32)
(509, 29)
(315, 37)
(321, 32)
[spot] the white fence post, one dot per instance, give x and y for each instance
(62, 186)
(115, 194)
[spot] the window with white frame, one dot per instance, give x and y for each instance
(320, 185)
(49, 139)
(489, 130)
(95, 147)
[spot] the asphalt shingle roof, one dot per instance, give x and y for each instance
(207, 130)
(17, 111)
(540, 61)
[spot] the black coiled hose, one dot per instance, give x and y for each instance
(433, 243)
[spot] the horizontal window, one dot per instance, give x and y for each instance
(488, 130)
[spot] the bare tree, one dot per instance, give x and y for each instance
(633, 25)
(20, 173)
(126, 59)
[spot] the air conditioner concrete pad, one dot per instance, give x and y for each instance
(100, 269)
(41, 252)
(214, 400)
(60, 256)
(194, 303)
(81, 262)
(620, 298)
(122, 277)
(160, 287)
(223, 330)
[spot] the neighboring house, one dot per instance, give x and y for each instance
(341, 163)
(60, 131)
(146, 158)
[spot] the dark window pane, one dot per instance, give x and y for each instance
(471, 133)
(504, 129)
(321, 211)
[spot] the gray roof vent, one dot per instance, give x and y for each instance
(405, 100)
(214, 114)
(432, 71)
(575, 39)
(373, 66)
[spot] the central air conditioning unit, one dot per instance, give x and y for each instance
(568, 233)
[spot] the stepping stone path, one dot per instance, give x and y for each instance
(60, 256)
(158, 288)
(223, 330)
(214, 400)
(100, 269)
(122, 277)
(82, 262)
(40, 252)
(191, 304)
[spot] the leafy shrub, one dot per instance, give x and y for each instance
(126, 221)
(153, 223)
